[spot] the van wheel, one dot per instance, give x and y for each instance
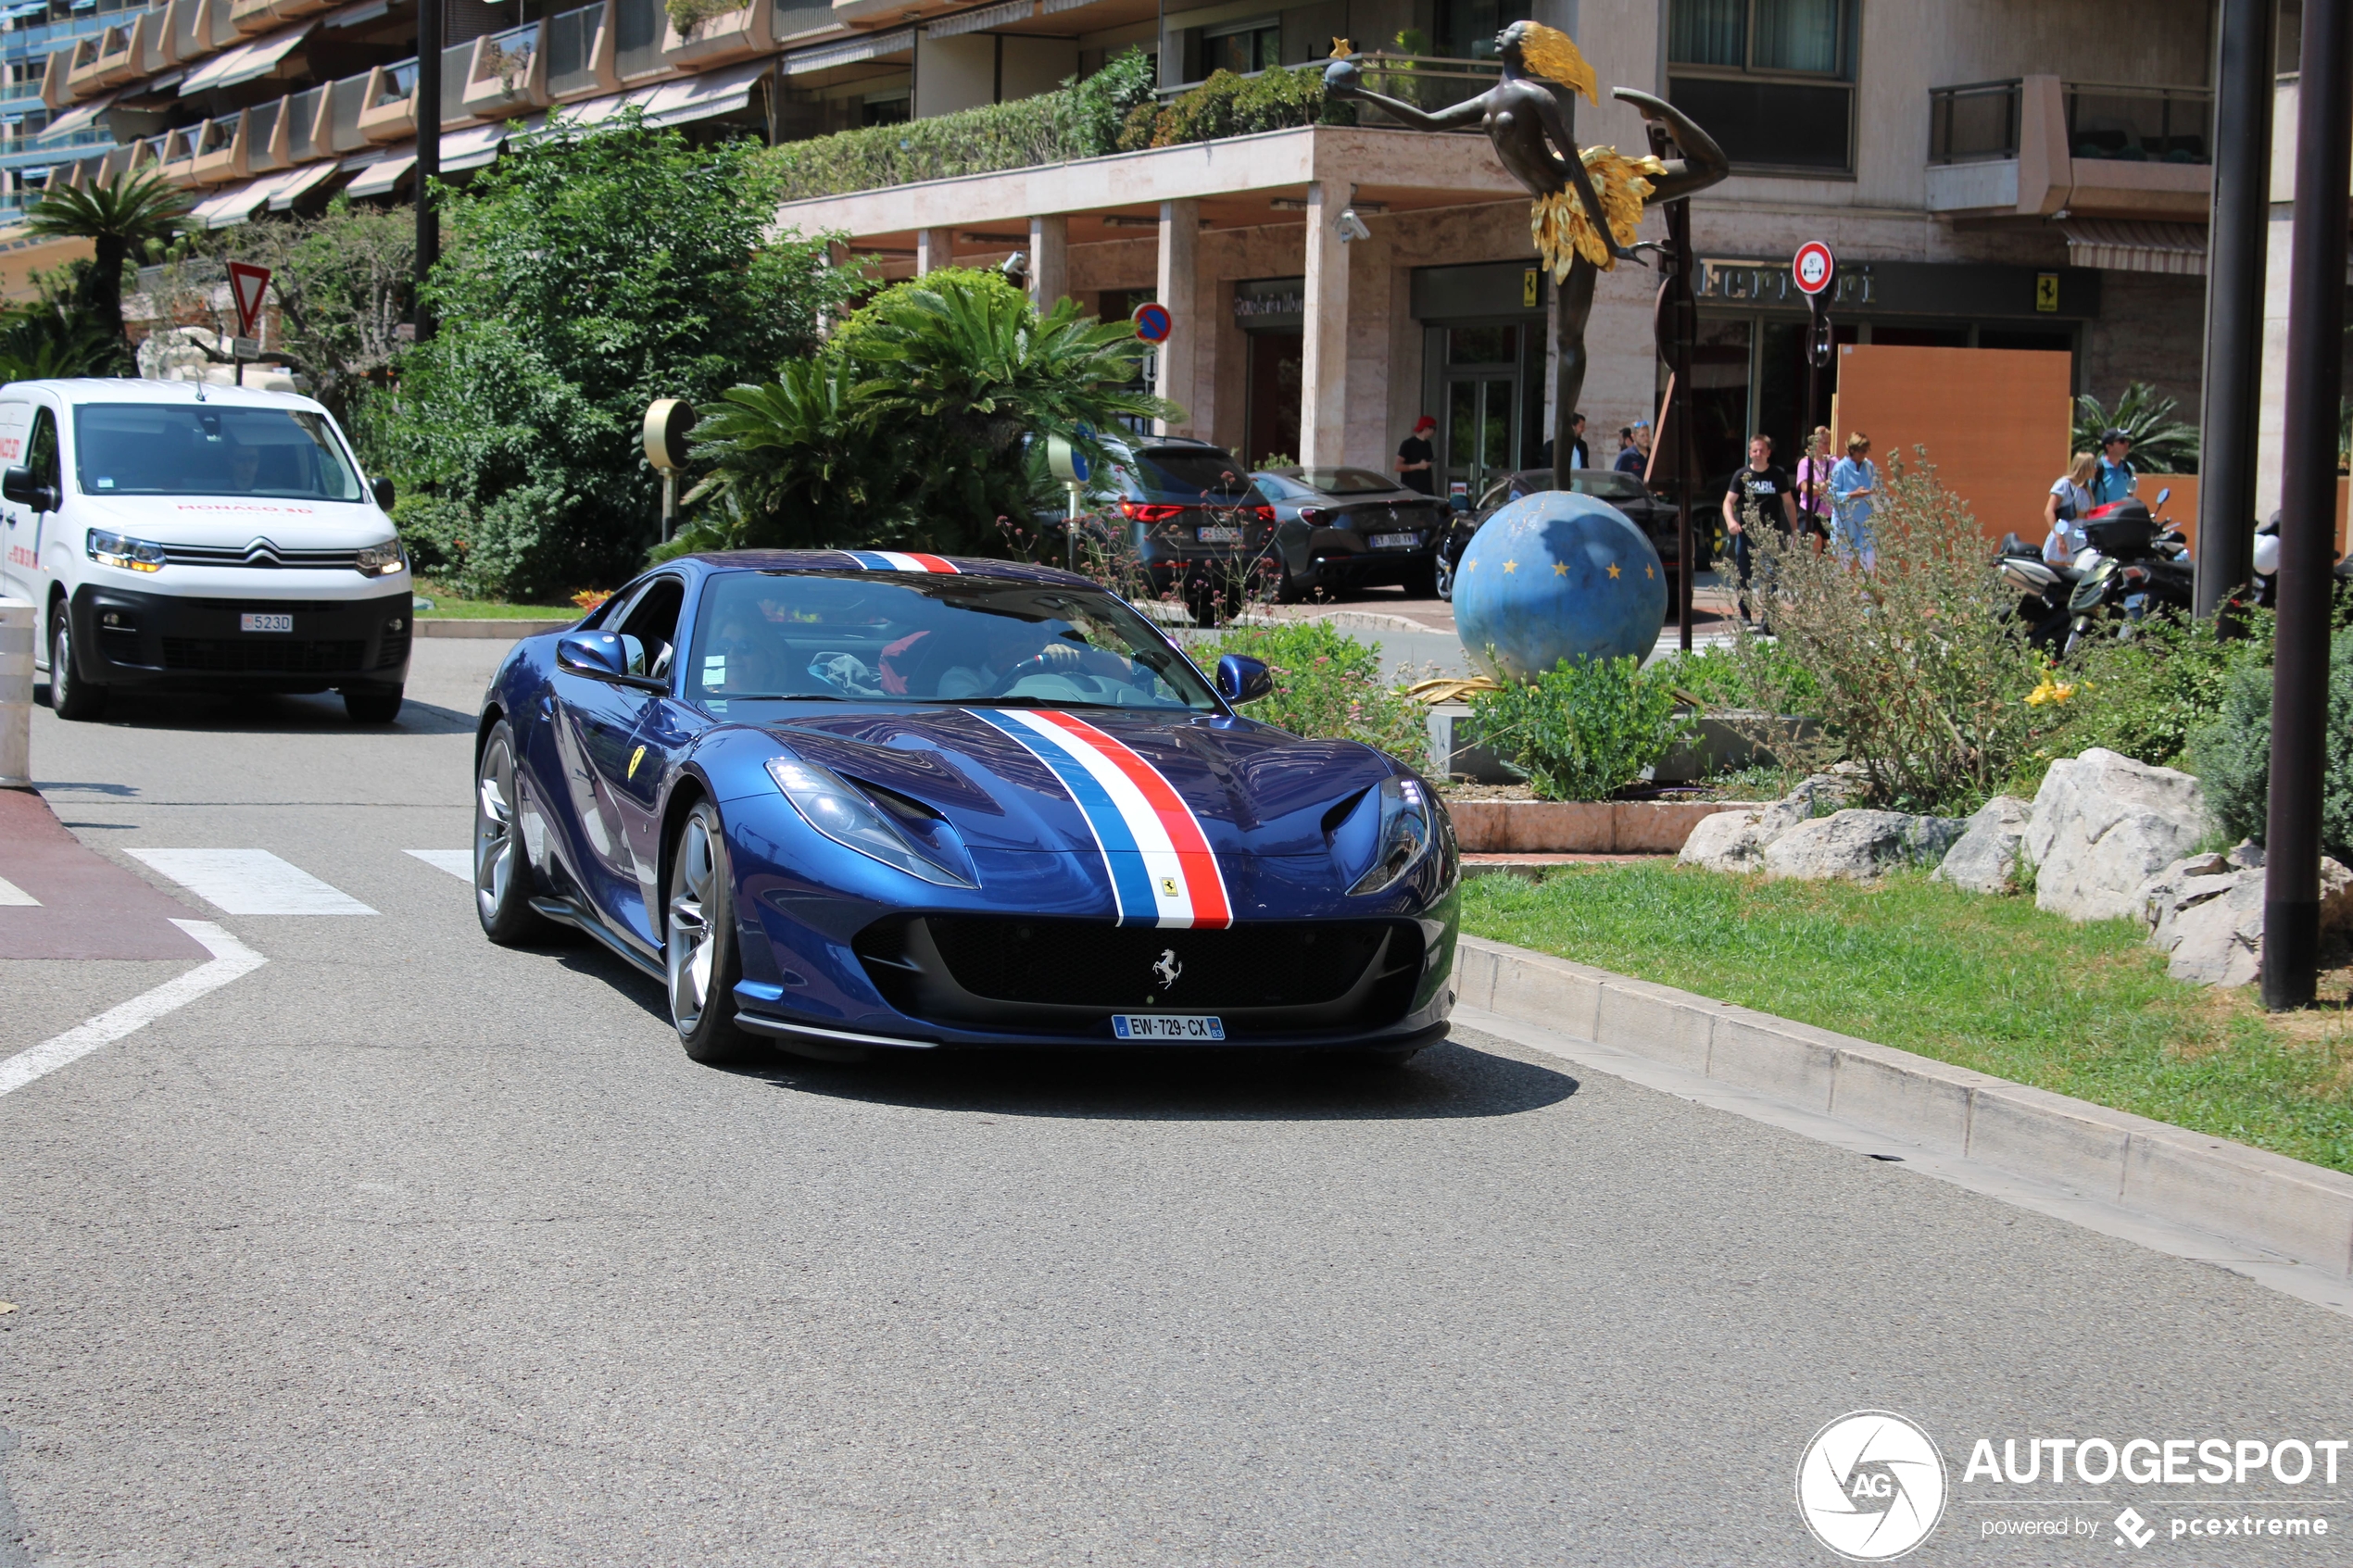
(70, 697)
(372, 705)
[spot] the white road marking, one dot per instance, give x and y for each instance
(13, 896)
(250, 882)
(231, 959)
(459, 863)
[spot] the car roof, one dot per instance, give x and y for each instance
(840, 561)
(135, 389)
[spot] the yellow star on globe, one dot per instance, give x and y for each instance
(1560, 569)
(1648, 572)
(1511, 566)
(1613, 568)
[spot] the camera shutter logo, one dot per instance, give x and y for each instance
(1871, 1486)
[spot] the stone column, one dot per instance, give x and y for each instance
(1179, 290)
(935, 248)
(1048, 261)
(1323, 410)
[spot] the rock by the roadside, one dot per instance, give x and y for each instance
(2102, 825)
(1735, 841)
(1859, 845)
(1987, 852)
(2336, 897)
(2218, 941)
(2185, 883)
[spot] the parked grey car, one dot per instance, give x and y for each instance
(1339, 529)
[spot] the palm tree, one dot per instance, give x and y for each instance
(2161, 443)
(117, 217)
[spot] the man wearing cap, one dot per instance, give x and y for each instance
(1630, 458)
(2114, 479)
(1416, 461)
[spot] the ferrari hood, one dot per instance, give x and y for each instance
(1095, 781)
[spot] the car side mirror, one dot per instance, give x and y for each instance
(381, 487)
(598, 654)
(17, 484)
(1241, 679)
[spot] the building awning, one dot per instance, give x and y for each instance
(81, 116)
(470, 148)
(981, 20)
(825, 56)
(245, 62)
(291, 187)
(352, 16)
(2121, 247)
(379, 177)
(233, 205)
(703, 97)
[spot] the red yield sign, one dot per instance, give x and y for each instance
(247, 283)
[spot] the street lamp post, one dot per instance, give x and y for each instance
(2308, 506)
(425, 102)
(2236, 239)
(1675, 327)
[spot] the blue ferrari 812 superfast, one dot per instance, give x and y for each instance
(842, 800)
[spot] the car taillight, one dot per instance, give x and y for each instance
(1264, 514)
(1150, 511)
(1310, 514)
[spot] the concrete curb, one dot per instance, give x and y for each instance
(511, 630)
(2303, 1211)
(1580, 827)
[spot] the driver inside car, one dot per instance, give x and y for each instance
(1007, 643)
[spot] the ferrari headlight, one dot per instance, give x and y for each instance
(132, 554)
(380, 560)
(846, 817)
(1406, 832)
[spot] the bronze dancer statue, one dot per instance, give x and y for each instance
(1580, 228)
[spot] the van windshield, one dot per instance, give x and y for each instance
(177, 449)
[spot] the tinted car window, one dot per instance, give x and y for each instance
(1191, 470)
(1347, 481)
(1274, 487)
(180, 449)
(864, 636)
(1605, 485)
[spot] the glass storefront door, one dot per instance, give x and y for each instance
(1483, 412)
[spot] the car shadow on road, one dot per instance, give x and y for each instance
(1448, 1080)
(266, 713)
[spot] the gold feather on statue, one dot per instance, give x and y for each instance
(1343, 49)
(1564, 231)
(1552, 54)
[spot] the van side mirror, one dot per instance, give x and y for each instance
(382, 489)
(1242, 679)
(17, 485)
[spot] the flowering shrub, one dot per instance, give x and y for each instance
(1328, 686)
(1585, 729)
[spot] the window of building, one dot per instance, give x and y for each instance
(884, 108)
(1253, 47)
(1467, 29)
(1772, 80)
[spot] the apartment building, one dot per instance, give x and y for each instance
(2017, 173)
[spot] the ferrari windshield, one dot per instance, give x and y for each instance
(873, 636)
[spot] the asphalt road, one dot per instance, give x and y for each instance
(404, 1249)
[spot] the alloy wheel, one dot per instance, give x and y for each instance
(495, 827)
(689, 946)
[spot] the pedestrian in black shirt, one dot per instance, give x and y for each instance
(1764, 486)
(1415, 461)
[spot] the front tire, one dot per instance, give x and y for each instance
(70, 697)
(502, 872)
(372, 706)
(698, 942)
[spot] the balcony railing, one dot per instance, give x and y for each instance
(572, 50)
(1973, 123)
(2140, 124)
(637, 28)
(1429, 82)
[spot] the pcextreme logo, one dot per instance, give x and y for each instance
(1871, 1486)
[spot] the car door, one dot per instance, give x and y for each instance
(590, 726)
(34, 442)
(18, 551)
(660, 729)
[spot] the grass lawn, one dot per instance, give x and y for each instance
(1985, 982)
(451, 605)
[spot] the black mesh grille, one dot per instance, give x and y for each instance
(395, 650)
(1073, 963)
(290, 656)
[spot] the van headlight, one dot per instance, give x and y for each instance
(132, 554)
(380, 560)
(845, 816)
(1406, 832)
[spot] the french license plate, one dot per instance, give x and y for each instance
(265, 624)
(1168, 1026)
(1220, 536)
(1396, 541)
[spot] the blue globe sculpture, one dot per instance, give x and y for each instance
(1558, 575)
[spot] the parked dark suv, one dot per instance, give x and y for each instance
(1654, 515)
(1196, 523)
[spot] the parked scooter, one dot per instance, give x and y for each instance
(2132, 562)
(2044, 591)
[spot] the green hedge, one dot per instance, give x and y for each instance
(1111, 111)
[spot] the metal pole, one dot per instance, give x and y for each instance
(1680, 318)
(1813, 407)
(425, 105)
(2308, 506)
(2236, 241)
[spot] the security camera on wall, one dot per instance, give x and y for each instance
(1351, 226)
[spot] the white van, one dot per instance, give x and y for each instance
(189, 537)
